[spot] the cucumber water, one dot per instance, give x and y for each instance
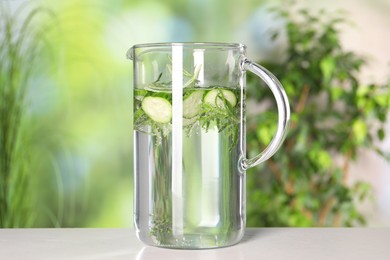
(188, 203)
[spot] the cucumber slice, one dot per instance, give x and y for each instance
(213, 98)
(158, 109)
(192, 103)
(157, 89)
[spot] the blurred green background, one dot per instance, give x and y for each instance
(76, 144)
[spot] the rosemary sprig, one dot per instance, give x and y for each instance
(225, 117)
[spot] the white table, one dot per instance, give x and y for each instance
(268, 243)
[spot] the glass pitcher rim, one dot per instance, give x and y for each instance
(231, 45)
(194, 45)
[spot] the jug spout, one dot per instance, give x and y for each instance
(130, 53)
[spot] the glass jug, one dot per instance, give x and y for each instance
(189, 142)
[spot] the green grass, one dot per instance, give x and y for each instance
(21, 42)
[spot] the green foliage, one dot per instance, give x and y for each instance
(333, 116)
(20, 45)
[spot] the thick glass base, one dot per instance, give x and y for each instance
(195, 240)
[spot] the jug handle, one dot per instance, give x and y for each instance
(283, 113)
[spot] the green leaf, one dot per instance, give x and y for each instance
(381, 134)
(301, 143)
(264, 135)
(327, 66)
(383, 100)
(359, 130)
(336, 92)
(320, 157)
(289, 88)
(362, 91)
(266, 128)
